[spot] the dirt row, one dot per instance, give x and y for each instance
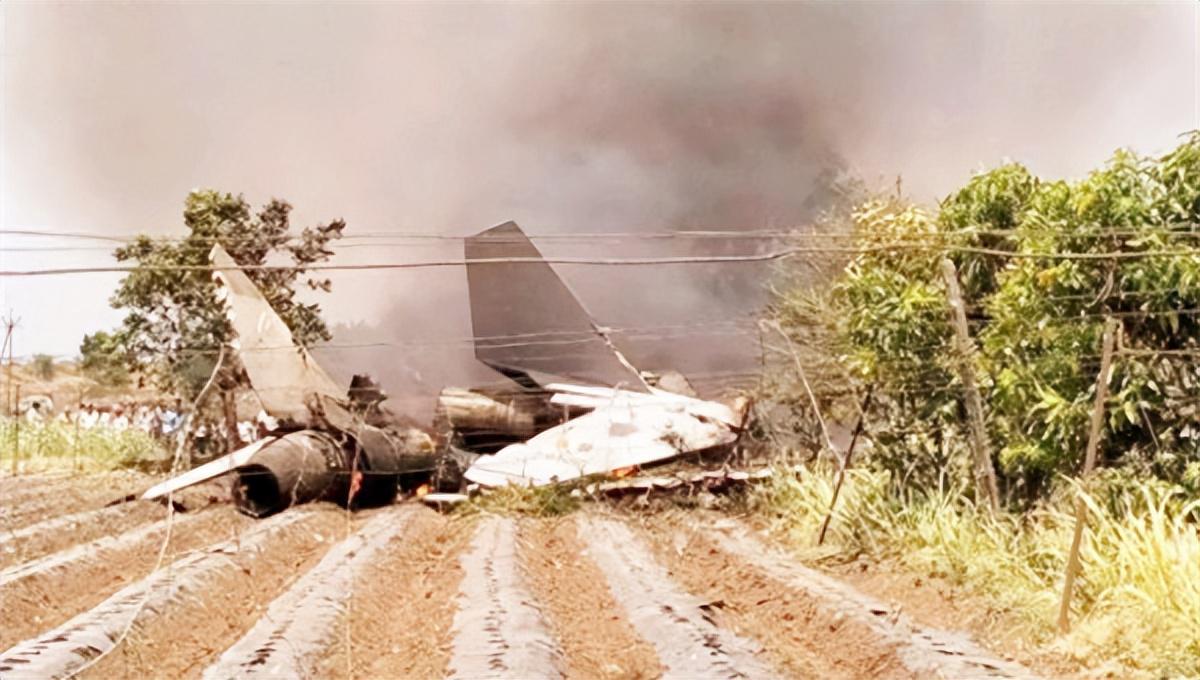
(30, 500)
(590, 595)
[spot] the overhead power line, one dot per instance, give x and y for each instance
(1182, 229)
(674, 260)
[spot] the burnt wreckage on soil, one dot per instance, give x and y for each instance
(582, 409)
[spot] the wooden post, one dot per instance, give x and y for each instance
(14, 390)
(985, 476)
(75, 447)
(841, 476)
(9, 407)
(1089, 464)
(16, 435)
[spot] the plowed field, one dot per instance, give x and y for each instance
(137, 590)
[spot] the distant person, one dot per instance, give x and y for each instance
(172, 419)
(265, 423)
(88, 417)
(247, 431)
(201, 440)
(143, 419)
(119, 421)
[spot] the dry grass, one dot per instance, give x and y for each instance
(1138, 601)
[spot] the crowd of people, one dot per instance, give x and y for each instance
(159, 419)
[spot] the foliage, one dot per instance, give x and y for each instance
(56, 445)
(1137, 605)
(1047, 316)
(43, 366)
(984, 214)
(174, 324)
(1038, 283)
(103, 359)
(895, 334)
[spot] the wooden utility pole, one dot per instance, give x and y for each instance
(16, 452)
(14, 392)
(985, 475)
(1089, 464)
(9, 325)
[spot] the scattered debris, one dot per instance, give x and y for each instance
(443, 501)
(709, 481)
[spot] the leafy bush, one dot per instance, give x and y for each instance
(1046, 319)
(1042, 264)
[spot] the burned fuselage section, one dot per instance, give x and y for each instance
(334, 444)
(360, 469)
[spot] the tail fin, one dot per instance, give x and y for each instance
(527, 323)
(284, 375)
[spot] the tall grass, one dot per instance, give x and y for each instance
(55, 445)
(1138, 600)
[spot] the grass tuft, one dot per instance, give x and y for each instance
(1138, 598)
(553, 500)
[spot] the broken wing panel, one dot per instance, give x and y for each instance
(526, 320)
(284, 375)
(627, 431)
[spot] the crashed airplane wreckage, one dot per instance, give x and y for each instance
(572, 406)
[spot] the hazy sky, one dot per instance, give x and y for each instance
(452, 117)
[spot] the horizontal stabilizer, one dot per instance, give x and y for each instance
(210, 470)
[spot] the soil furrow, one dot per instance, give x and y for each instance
(216, 604)
(499, 632)
(596, 638)
(93, 550)
(62, 533)
(65, 650)
(49, 597)
(291, 637)
(688, 642)
(398, 621)
(37, 502)
(925, 652)
(796, 633)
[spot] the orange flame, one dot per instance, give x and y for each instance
(422, 491)
(620, 473)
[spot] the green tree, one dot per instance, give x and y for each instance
(43, 366)
(174, 323)
(1048, 312)
(1043, 264)
(103, 359)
